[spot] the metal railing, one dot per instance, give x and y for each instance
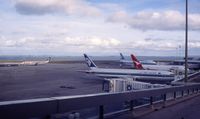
(43, 107)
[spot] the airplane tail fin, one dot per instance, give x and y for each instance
(122, 57)
(136, 62)
(89, 62)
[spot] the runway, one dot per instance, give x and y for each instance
(53, 79)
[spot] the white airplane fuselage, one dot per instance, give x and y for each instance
(9, 64)
(165, 67)
(34, 62)
(126, 63)
(132, 73)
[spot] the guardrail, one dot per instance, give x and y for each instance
(42, 107)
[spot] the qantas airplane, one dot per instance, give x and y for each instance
(171, 68)
(128, 73)
(124, 62)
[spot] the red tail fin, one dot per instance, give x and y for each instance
(137, 63)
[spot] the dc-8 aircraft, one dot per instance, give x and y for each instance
(128, 73)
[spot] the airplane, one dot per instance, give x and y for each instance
(192, 64)
(35, 63)
(124, 62)
(8, 64)
(178, 69)
(145, 75)
(24, 63)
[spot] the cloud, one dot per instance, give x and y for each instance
(195, 44)
(23, 42)
(69, 7)
(93, 42)
(163, 44)
(147, 20)
(145, 45)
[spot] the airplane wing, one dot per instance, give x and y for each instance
(84, 71)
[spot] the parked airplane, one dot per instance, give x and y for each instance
(29, 63)
(147, 75)
(8, 64)
(35, 63)
(124, 62)
(192, 64)
(177, 69)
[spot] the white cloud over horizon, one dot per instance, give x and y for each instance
(92, 44)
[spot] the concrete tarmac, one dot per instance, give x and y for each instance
(27, 82)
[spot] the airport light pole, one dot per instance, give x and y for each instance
(186, 40)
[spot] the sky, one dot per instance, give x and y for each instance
(98, 27)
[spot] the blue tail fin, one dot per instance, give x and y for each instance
(89, 62)
(122, 57)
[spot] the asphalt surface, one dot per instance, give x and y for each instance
(26, 82)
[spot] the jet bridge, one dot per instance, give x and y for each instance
(128, 84)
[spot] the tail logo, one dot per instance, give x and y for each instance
(137, 64)
(88, 62)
